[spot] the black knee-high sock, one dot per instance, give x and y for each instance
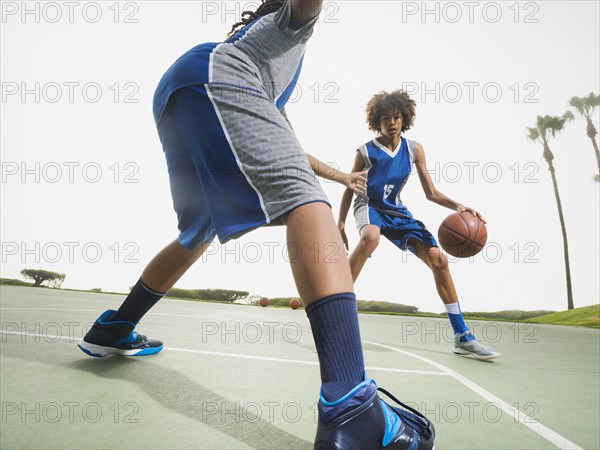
(334, 323)
(137, 304)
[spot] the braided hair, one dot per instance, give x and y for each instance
(267, 7)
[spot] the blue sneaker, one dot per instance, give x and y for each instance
(117, 338)
(361, 420)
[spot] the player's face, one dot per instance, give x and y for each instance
(390, 124)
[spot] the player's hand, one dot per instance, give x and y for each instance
(472, 211)
(344, 237)
(357, 182)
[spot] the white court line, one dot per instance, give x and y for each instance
(187, 316)
(230, 355)
(531, 423)
(51, 309)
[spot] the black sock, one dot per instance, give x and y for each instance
(334, 323)
(137, 304)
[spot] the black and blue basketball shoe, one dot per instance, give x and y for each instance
(117, 338)
(361, 420)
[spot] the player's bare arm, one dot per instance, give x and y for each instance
(303, 11)
(430, 190)
(358, 167)
(354, 182)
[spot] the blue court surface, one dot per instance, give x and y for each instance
(237, 377)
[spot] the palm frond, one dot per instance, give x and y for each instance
(578, 103)
(533, 134)
(592, 101)
(554, 124)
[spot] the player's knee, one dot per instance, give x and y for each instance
(369, 239)
(438, 261)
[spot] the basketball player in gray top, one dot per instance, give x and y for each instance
(235, 165)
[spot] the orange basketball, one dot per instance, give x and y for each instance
(264, 302)
(294, 303)
(462, 234)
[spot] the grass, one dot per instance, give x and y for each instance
(13, 282)
(587, 316)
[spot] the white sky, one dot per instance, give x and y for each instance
(533, 66)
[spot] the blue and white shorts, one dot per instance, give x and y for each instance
(397, 229)
(234, 163)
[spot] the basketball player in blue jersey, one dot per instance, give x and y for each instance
(235, 165)
(388, 160)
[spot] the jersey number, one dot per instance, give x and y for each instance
(387, 190)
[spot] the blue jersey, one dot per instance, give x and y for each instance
(387, 174)
(265, 57)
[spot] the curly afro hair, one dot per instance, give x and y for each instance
(398, 100)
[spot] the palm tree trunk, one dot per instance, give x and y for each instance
(562, 226)
(591, 132)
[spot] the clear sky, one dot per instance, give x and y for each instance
(84, 183)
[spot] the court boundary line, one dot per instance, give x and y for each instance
(545, 325)
(231, 355)
(533, 424)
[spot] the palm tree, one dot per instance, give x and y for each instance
(546, 128)
(585, 107)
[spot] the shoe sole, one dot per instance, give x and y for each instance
(460, 352)
(98, 351)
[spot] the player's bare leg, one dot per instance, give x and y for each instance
(324, 281)
(169, 265)
(322, 275)
(369, 240)
(317, 257)
(465, 344)
(438, 263)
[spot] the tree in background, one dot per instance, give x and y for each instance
(546, 128)
(585, 106)
(54, 279)
(223, 295)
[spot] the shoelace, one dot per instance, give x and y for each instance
(137, 337)
(478, 346)
(422, 423)
(474, 341)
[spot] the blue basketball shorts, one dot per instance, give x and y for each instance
(234, 163)
(397, 229)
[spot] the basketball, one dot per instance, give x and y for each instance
(264, 302)
(294, 303)
(462, 234)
